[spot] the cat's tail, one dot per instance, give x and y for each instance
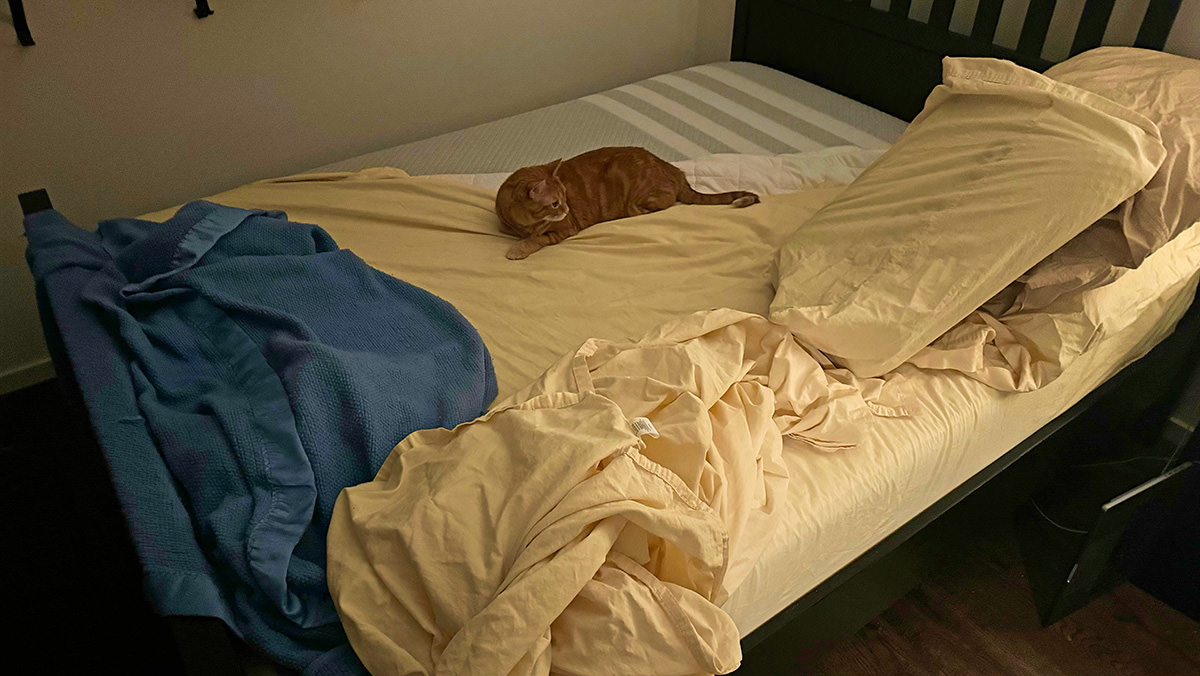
(738, 198)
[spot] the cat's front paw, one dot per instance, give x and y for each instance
(522, 250)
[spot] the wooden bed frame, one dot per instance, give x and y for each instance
(891, 62)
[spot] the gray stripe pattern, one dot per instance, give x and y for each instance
(706, 110)
(729, 137)
(717, 108)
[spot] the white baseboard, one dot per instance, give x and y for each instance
(24, 376)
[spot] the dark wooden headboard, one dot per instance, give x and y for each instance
(890, 61)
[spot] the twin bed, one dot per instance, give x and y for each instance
(421, 212)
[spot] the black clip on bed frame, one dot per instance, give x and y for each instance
(202, 9)
(34, 201)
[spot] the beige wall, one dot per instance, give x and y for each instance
(130, 106)
(126, 107)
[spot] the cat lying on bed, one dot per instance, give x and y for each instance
(548, 203)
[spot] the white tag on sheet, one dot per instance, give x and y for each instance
(643, 427)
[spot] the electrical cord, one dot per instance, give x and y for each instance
(1053, 522)
(1171, 460)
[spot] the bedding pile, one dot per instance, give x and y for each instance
(748, 386)
(599, 516)
(271, 369)
(537, 599)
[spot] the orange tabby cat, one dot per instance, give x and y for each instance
(548, 203)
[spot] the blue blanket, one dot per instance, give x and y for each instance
(240, 370)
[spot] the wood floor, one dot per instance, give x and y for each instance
(976, 616)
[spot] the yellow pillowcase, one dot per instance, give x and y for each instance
(1002, 167)
(1166, 89)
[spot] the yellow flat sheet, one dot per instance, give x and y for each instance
(615, 280)
(593, 522)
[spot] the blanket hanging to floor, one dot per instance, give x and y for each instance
(271, 369)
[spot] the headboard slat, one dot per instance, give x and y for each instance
(892, 62)
(1092, 24)
(900, 8)
(1156, 24)
(987, 15)
(941, 13)
(1037, 24)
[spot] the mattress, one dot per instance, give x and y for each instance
(621, 279)
(728, 107)
(531, 312)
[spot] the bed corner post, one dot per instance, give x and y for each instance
(34, 201)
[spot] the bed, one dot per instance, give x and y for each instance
(735, 124)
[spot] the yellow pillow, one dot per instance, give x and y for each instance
(1166, 89)
(1002, 167)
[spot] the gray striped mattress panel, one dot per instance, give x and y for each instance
(729, 107)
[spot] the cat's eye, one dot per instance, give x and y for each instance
(554, 204)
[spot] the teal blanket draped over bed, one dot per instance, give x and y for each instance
(267, 369)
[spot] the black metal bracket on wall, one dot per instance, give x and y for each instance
(19, 23)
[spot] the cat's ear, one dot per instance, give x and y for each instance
(554, 166)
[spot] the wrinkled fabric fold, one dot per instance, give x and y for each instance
(547, 537)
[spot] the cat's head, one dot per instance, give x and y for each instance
(533, 199)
